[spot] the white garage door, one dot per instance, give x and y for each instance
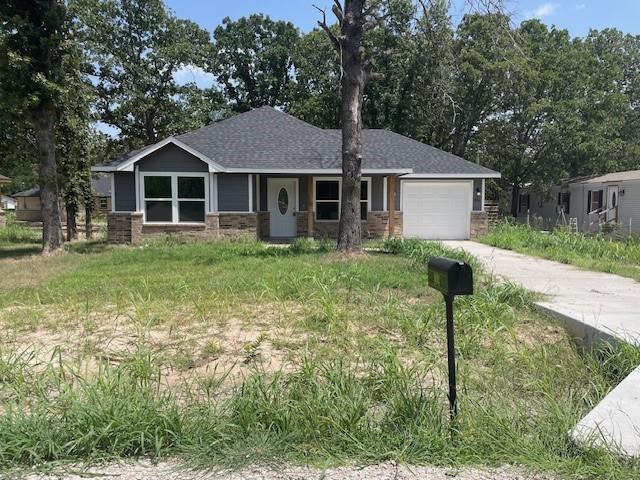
(436, 210)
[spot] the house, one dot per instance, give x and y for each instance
(7, 202)
(588, 203)
(28, 201)
(4, 179)
(266, 174)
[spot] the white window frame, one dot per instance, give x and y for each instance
(339, 180)
(174, 199)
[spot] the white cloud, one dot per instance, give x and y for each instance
(193, 74)
(581, 6)
(543, 10)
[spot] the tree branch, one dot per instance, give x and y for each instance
(323, 24)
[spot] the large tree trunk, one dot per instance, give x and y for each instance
(44, 126)
(72, 227)
(515, 198)
(353, 80)
(88, 225)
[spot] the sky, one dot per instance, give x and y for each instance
(577, 16)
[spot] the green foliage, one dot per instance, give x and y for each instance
(15, 233)
(253, 60)
(597, 252)
(367, 393)
(136, 48)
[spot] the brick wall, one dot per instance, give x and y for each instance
(302, 223)
(479, 224)
(398, 230)
(238, 225)
(376, 226)
(264, 225)
(124, 228)
(119, 228)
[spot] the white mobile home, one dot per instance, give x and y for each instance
(588, 203)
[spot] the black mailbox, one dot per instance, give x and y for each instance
(450, 277)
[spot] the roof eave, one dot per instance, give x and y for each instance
(452, 175)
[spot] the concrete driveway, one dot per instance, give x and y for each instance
(593, 306)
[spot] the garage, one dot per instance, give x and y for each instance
(436, 210)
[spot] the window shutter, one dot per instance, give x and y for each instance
(589, 201)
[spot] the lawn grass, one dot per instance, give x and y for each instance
(593, 252)
(229, 353)
(18, 240)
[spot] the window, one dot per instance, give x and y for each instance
(328, 196)
(103, 203)
(175, 198)
(594, 200)
(564, 201)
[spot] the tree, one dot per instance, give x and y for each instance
(482, 41)
(356, 70)
(137, 47)
(34, 42)
(253, 60)
(518, 138)
(315, 94)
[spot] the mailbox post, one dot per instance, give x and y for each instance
(451, 278)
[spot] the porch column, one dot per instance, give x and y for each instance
(310, 207)
(391, 201)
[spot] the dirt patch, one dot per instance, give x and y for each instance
(145, 470)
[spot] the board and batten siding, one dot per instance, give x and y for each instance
(124, 186)
(172, 158)
(233, 192)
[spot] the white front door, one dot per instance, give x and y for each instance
(613, 192)
(282, 199)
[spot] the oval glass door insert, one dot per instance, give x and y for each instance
(283, 201)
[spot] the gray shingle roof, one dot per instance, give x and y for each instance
(266, 138)
(100, 184)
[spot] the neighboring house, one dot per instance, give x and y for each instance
(28, 201)
(589, 203)
(101, 186)
(7, 202)
(266, 174)
(4, 179)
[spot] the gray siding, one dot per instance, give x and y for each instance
(171, 158)
(233, 193)
(377, 193)
(125, 191)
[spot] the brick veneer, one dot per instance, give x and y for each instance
(119, 227)
(124, 228)
(264, 225)
(479, 224)
(376, 226)
(239, 225)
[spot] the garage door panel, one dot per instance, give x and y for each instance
(436, 210)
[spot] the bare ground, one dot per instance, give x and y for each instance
(145, 470)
